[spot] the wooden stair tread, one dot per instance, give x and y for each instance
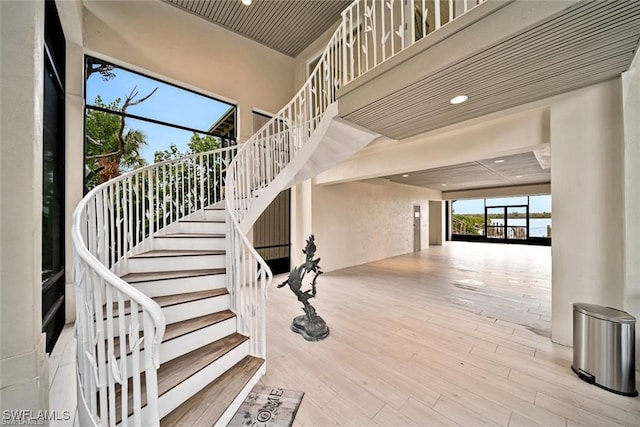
(158, 253)
(178, 329)
(206, 406)
(167, 275)
(191, 235)
(215, 221)
(169, 300)
(178, 370)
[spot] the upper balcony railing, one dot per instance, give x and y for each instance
(375, 30)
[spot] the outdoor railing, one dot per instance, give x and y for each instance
(458, 226)
(513, 232)
(114, 221)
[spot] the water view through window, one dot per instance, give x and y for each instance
(522, 218)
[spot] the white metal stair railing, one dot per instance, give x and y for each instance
(114, 221)
(371, 32)
(120, 218)
(255, 166)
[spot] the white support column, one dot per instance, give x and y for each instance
(631, 112)
(301, 219)
(436, 222)
(24, 379)
(588, 203)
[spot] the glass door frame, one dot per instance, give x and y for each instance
(505, 226)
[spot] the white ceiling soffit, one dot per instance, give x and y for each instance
(588, 43)
(288, 26)
(505, 171)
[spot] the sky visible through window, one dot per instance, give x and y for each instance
(168, 104)
(476, 206)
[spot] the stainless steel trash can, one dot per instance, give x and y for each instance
(604, 347)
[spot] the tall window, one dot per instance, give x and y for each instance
(540, 216)
(520, 219)
(468, 217)
(272, 230)
(132, 120)
(53, 295)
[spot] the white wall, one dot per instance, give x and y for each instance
(631, 107)
(588, 202)
(310, 53)
(24, 378)
(360, 222)
(156, 37)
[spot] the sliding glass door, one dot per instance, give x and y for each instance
(507, 222)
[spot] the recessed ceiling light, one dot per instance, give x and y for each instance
(499, 161)
(519, 176)
(444, 185)
(405, 175)
(459, 99)
(246, 2)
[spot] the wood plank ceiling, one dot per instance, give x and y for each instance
(288, 26)
(517, 169)
(588, 43)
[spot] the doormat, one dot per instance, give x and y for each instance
(268, 407)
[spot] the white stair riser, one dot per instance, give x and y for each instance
(178, 312)
(189, 243)
(189, 310)
(181, 345)
(177, 263)
(158, 288)
(213, 214)
(208, 214)
(231, 410)
(202, 227)
(186, 343)
(182, 392)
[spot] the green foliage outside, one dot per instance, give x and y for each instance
(107, 156)
(112, 149)
(197, 144)
(473, 224)
(468, 224)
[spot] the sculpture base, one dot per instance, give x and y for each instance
(315, 330)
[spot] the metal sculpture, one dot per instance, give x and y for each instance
(311, 326)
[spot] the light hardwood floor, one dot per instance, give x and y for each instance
(62, 380)
(453, 335)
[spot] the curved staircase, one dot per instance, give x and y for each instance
(170, 294)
